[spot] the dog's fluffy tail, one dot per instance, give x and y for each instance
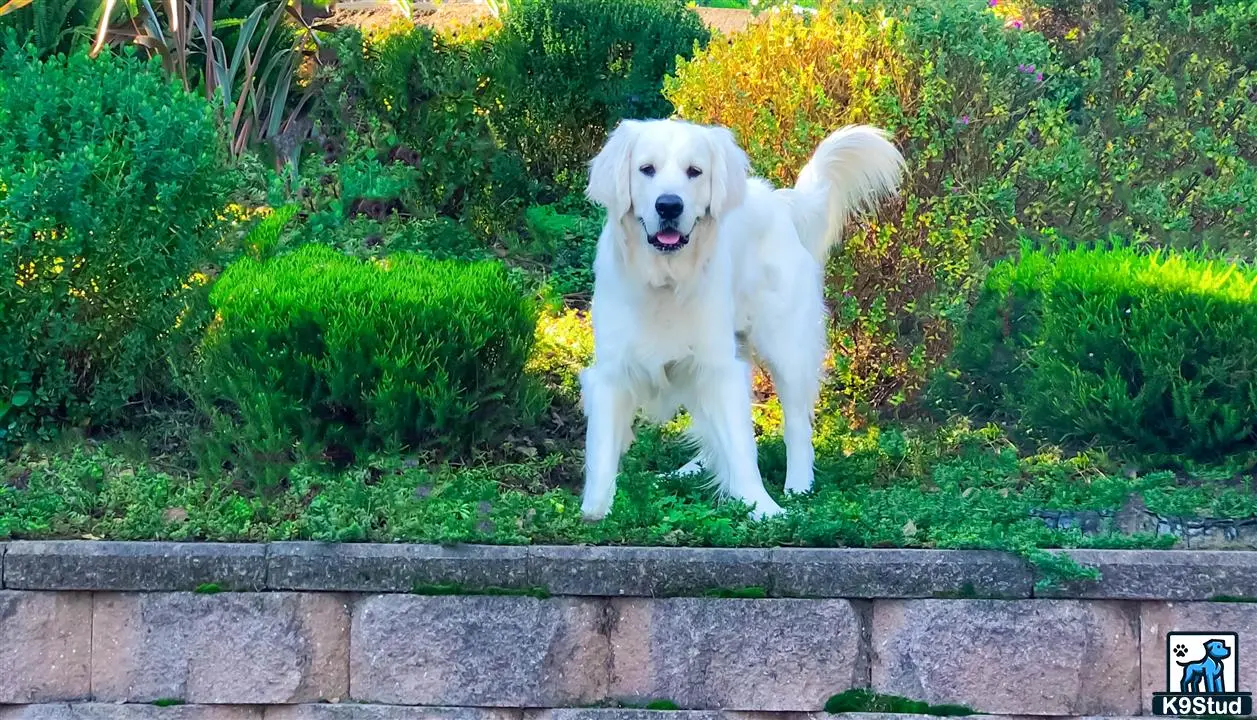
(851, 170)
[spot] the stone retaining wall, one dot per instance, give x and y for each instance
(303, 630)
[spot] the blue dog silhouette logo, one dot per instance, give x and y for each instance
(1201, 676)
(1206, 674)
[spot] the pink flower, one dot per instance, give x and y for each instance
(1038, 77)
(992, 3)
(963, 119)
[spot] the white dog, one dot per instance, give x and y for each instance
(697, 261)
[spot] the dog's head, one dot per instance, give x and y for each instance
(668, 178)
(1217, 650)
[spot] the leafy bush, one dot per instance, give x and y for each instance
(568, 70)
(1226, 26)
(1164, 142)
(960, 92)
(1153, 352)
(111, 180)
(1127, 124)
(334, 351)
(564, 242)
(402, 123)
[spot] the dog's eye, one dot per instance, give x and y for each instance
(647, 170)
(693, 172)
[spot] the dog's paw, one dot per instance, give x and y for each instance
(799, 481)
(766, 509)
(689, 469)
(592, 516)
(592, 511)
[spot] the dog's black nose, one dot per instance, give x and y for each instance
(669, 207)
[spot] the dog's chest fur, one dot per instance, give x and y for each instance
(663, 342)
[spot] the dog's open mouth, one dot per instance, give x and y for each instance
(668, 240)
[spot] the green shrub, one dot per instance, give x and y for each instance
(568, 70)
(334, 351)
(402, 124)
(1163, 146)
(954, 87)
(1152, 352)
(111, 179)
(564, 244)
(1130, 125)
(1226, 26)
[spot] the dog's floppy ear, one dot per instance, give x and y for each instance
(728, 173)
(609, 171)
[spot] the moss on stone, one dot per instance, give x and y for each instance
(863, 700)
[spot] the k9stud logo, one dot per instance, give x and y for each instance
(1201, 673)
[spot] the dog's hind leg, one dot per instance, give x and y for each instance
(722, 420)
(609, 412)
(793, 349)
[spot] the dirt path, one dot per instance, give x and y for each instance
(724, 20)
(448, 15)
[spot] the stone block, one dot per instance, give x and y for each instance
(892, 573)
(1010, 657)
(108, 711)
(1159, 618)
(358, 711)
(646, 571)
(133, 566)
(480, 650)
(383, 567)
(735, 654)
(45, 646)
(1163, 575)
(228, 648)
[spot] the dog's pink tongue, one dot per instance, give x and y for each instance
(669, 237)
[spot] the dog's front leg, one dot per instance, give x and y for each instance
(609, 430)
(722, 420)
